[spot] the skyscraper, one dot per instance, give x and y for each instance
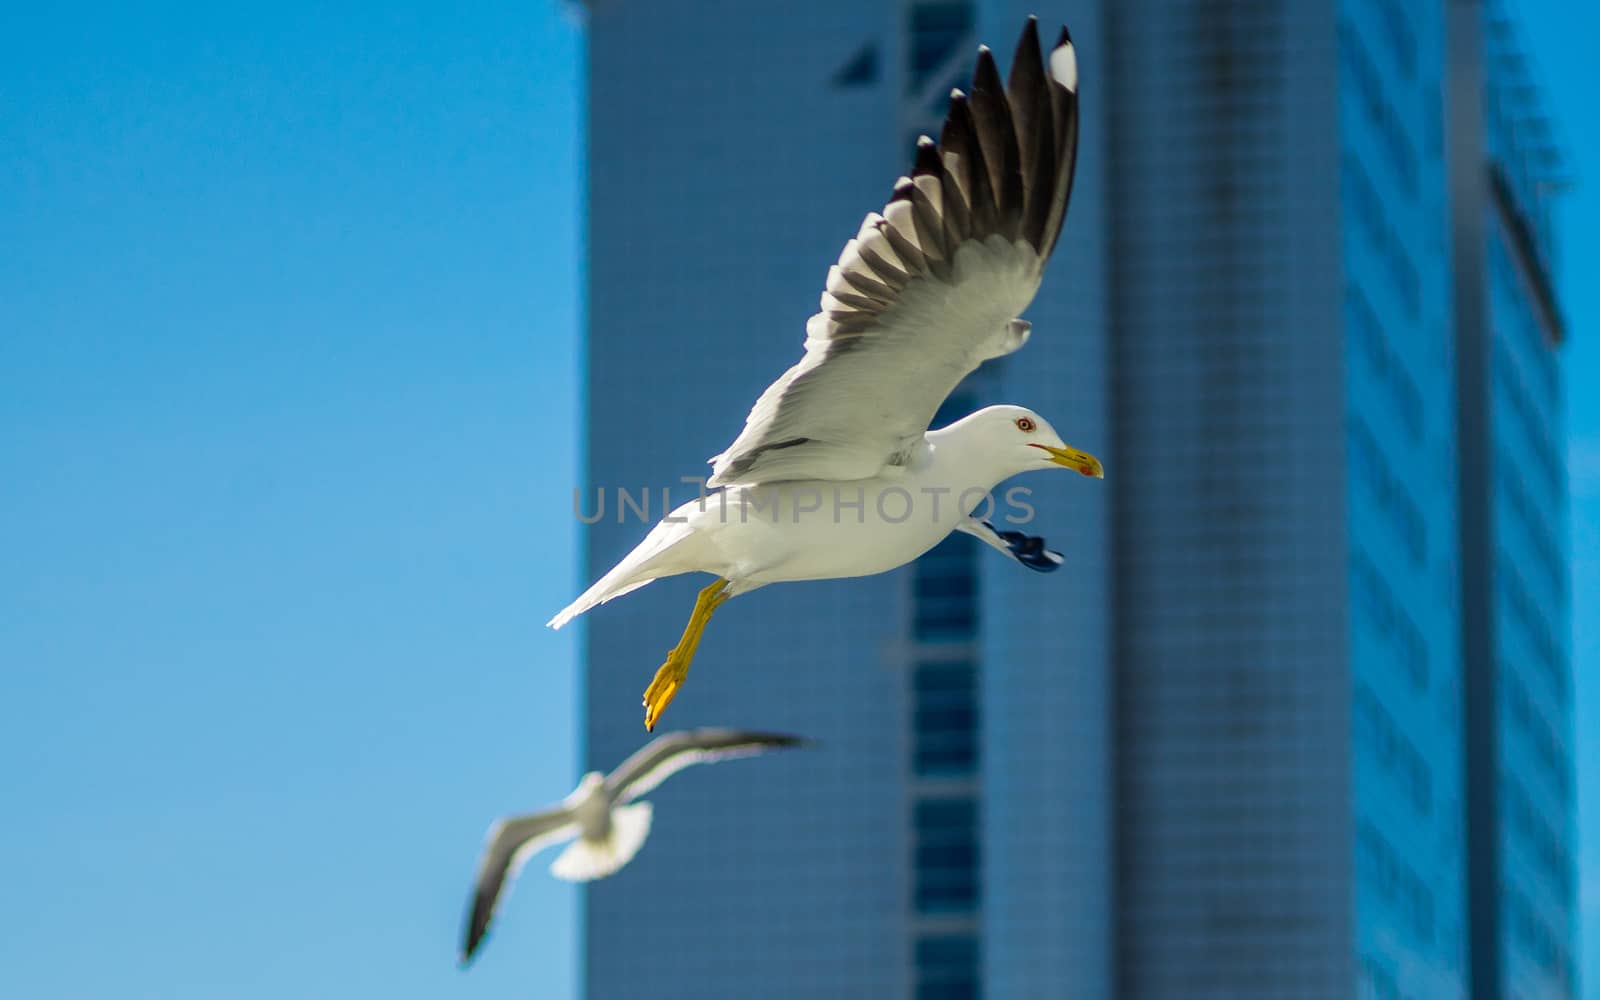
(1233, 747)
(1514, 599)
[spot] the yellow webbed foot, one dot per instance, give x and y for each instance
(669, 678)
(662, 690)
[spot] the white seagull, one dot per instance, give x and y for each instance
(836, 473)
(610, 826)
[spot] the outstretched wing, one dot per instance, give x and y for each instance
(662, 758)
(511, 842)
(930, 289)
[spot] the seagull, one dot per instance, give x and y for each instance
(836, 473)
(603, 816)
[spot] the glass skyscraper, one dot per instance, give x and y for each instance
(1515, 603)
(1293, 719)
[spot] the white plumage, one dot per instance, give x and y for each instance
(602, 818)
(926, 291)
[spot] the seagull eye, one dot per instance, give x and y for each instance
(1025, 425)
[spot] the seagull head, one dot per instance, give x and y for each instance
(588, 785)
(1022, 441)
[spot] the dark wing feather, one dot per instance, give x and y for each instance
(511, 841)
(997, 136)
(930, 289)
(667, 755)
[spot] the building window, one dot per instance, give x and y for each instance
(937, 33)
(1532, 625)
(1540, 736)
(1380, 609)
(1371, 469)
(1371, 344)
(945, 587)
(1399, 36)
(946, 862)
(947, 967)
(1378, 733)
(945, 719)
(1383, 870)
(1372, 218)
(1373, 96)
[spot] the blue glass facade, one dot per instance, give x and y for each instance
(1527, 490)
(1236, 829)
(1515, 624)
(1406, 725)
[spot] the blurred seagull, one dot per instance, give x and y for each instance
(608, 829)
(923, 295)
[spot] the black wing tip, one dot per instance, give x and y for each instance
(761, 736)
(986, 74)
(783, 741)
(469, 948)
(1029, 39)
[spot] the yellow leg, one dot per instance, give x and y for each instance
(669, 678)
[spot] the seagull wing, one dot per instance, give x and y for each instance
(928, 290)
(662, 758)
(511, 842)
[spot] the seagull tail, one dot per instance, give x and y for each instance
(585, 860)
(641, 566)
(603, 591)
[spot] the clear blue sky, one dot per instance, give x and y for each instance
(288, 324)
(288, 314)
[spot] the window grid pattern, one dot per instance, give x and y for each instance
(1376, 226)
(1537, 733)
(1378, 734)
(1380, 608)
(1383, 362)
(1387, 873)
(1371, 469)
(946, 818)
(1402, 490)
(1376, 101)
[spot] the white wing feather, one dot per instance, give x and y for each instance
(929, 290)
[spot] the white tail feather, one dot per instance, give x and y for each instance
(585, 859)
(637, 568)
(595, 596)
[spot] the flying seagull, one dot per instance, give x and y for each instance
(836, 473)
(603, 816)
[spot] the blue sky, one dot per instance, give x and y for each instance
(287, 397)
(288, 327)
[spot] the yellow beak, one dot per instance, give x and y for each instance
(1072, 458)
